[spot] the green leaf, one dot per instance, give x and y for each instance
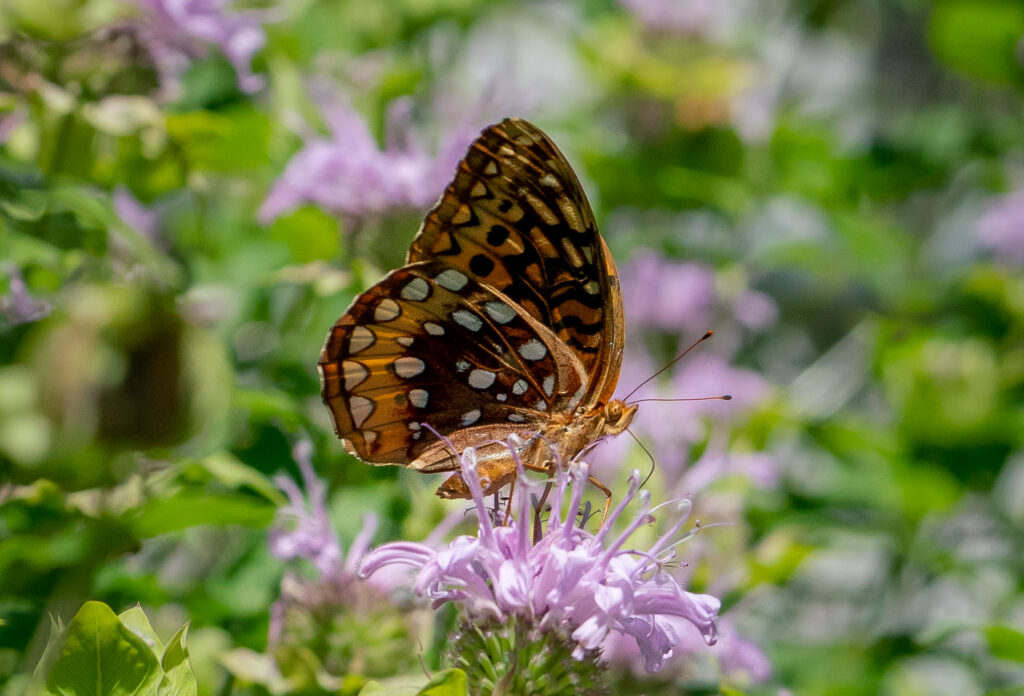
(373, 689)
(451, 682)
(160, 516)
(725, 690)
(136, 621)
(310, 233)
(50, 654)
(249, 666)
(227, 469)
(221, 141)
(102, 657)
(1005, 642)
(178, 679)
(978, 37)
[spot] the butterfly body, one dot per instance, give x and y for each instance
(569, 434)
(506, 320)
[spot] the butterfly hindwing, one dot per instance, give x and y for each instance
(430, 344)
(516, 218)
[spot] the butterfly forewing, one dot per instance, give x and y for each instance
(515, 218)
(431, 345)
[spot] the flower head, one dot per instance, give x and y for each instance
(565, 580)
(667, 295)
(18, 306)
(350, 175)
(680, 16)
(175, 31)
(330, 617)
(304, 530)
(1001, 228)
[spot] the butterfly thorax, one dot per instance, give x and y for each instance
(578, 431)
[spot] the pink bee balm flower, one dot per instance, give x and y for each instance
(175, 30)
(349, 174)
(18, 306)
(561, 580)
(1001, 228)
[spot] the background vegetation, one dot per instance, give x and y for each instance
(835, 186)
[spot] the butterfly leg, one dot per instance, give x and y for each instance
(607, 497)
(508, 508)
(538, 511)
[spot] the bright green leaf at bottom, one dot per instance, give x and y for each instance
(178, 678)
(102, 657)
(136, 620)
(451, 682)
(1005, 642)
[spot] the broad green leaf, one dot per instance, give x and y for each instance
(227, 469)
(310, 233)
(178, 678)
(373, 688)
(50, 654)
(135, 620)
(451, 682)
(1005, 642)
(247, 665)
(978, 37)
(102, 657)
(221, 141)
(193, 508)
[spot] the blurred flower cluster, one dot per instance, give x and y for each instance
(329, 622)
(177, 31)
(1001, 228)
(351, 176)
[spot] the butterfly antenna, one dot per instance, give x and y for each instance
(672, 362)
(722, 397)
(649, 456)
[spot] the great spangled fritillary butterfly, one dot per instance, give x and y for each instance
(506, 319)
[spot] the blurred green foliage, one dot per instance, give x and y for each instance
(835, 155)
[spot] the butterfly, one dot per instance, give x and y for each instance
(506, 319)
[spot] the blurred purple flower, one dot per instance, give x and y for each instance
(350, 175)
(755, 310)
(18, 306)
(682, 297)
(667, 295)
(142, 219)
(1001, 228)
(733, 652)
(705, 374)
(569, 580)
(702, 374)
(303, 530)
(682, 16)
(175, 31)
(9, 121)
(760, 468)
